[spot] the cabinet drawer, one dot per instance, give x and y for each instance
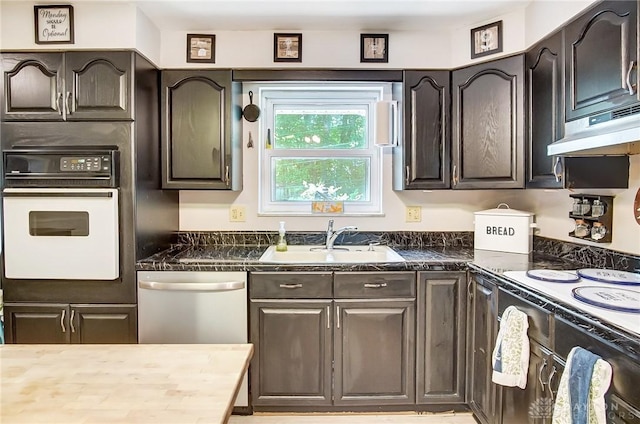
(539, 319)
(374, 284)
(290, 285)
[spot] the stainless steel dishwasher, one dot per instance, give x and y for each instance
(194, 307)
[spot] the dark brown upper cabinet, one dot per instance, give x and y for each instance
(426, 151)
(488, 125)
(545, 111)
(197, 116)
(601, 55)
(71, 86)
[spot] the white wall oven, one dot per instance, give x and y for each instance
(60, 214)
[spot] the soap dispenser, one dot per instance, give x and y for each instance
(282, 242)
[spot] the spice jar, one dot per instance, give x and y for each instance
(577, 207)
(582, 228)
(586, 207)
(597, 209)
(598, 231)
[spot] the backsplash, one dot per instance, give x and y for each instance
(393, 239)
(590, 256)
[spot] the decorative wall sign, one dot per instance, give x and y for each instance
(201, 48)
(287, 47)
(54, 24)
(374, 48)
(486, 40)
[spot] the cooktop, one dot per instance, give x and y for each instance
(581, 294)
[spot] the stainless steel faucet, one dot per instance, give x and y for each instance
(333, 235)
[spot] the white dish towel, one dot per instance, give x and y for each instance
(510, 358)
(594, 406)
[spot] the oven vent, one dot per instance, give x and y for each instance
(616, 114)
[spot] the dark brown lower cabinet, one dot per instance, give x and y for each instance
(43, 323)
(483, 329)
(332, 341)
(373, 352)
(440, 341)
(534, 403)
(292, 358)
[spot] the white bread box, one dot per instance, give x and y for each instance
(504, 229)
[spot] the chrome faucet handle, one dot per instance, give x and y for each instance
(372, 244)
(330, 226)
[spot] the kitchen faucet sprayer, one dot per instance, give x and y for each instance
(333, 235)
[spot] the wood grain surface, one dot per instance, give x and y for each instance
(120, 383)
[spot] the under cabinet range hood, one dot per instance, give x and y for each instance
(611, 133)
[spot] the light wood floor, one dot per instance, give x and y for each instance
(426, 418)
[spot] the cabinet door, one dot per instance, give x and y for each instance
(427, 137)
(33, 86)
(374, 353)
(196, 133)
(440, 361)
(482, 333)
(545, 111)
(488, 125)
(601, 59)
(292, 358)
(534, 403)
(98, 85)
(36, 323)
(112, 324)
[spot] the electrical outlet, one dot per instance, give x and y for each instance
(237, 214)
(414, 213)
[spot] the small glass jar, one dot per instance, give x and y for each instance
(582, 228)
(586, 207)
(598, 231)
(577, 207)
(597, 209)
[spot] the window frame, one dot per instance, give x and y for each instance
(272, 95)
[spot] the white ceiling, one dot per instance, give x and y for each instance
(297, 15)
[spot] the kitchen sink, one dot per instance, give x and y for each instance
(299, 254)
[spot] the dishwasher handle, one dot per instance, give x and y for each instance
(219, 286)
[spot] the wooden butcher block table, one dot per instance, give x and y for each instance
(157, 384)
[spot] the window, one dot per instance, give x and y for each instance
(318, 146)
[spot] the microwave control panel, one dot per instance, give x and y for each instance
(85, 163)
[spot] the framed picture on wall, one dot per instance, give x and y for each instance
(287, 47)
(486, 40)
(374, 48)
(201, 48)
(53, 24)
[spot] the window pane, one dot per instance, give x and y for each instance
(304, 179)
(321, 128)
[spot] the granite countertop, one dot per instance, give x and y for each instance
(142, 383)
(184, 257)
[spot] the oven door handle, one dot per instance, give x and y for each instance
(220, 286)
(51, 194)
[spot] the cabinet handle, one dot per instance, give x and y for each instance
(337, 316)
(469, 289)
(291, 286)
(455, 175)
(59, 103)
(328, 317)
(68, 102)
(227, 180)
(73, 314)
(630, 86)
(542, 383)
(406, 176)
(550, 379)
(64, 330)
(374, 285)
(557, 169)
